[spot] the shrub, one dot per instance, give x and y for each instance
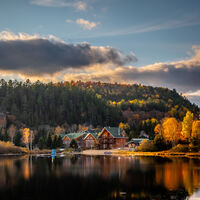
(193, 148)
(8, 147)
(160, 143)
(146, 146)
(73, 144)
(180, 148)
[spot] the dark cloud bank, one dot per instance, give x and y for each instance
(41, 56)
(185, 77)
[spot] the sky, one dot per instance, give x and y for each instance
(152, 42)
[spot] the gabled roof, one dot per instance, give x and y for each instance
(87, 134)
(115, 132)
(72, 136)
(93, 132)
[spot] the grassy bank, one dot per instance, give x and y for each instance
(160, 153)
(9, 148)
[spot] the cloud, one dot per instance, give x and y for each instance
(196, 93)
(9, 36)
(51, 59)
(34, 55)
(79, 5)
(85, 24)
(182, 75)
(165, 25)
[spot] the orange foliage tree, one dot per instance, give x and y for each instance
(171, 130)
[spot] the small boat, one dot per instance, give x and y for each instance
(107, 152)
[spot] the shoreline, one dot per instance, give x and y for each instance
(123, 153)
(112, 152)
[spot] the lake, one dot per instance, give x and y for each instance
(98, 177)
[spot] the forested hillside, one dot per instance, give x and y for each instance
(39, 103)
(138, 107)
(141, 98)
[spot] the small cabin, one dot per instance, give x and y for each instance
(85, 140)
(135, 142)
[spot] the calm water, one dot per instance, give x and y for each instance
(99, 177)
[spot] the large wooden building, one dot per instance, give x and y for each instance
(108, 138)
(111, 138)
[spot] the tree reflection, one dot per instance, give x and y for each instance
(102, 177)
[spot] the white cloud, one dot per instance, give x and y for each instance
(78, 5)
(9, 36)
(166, 25)
(196, 93)
(86, 24)
(6, 35)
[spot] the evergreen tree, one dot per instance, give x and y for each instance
(17, 139)
(41, 143)
(6, 136)
(54, 143)
(59, 142)
(49, 142)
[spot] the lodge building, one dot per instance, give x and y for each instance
(108, 138)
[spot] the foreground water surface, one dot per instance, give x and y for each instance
(98, 177)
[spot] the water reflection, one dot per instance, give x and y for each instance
(99, 177)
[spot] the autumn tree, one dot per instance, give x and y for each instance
(59, 130)
(11, 131)
(26, 134)
(171, 130)
(158, 129)
(124, 126)
(196, 130)
(187, 125)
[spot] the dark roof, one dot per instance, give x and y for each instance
(116, 132)
(73, 135)
(137, 140)
(79, 134)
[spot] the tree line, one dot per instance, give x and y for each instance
(73, 106)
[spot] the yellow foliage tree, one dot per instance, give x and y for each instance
(187, 125)
(157, 129)
(124, 126)
(26, 134)
(196, 129)
(171, 130)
